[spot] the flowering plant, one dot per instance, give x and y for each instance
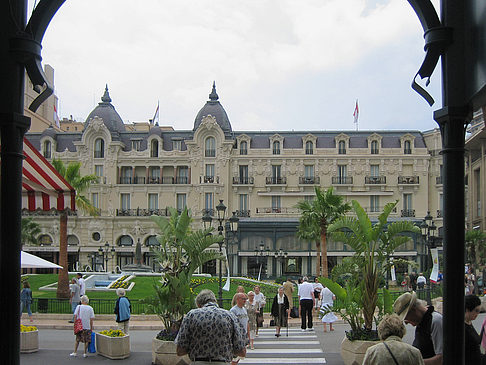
(27, 328)
(113, 333)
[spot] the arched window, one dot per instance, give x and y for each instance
(99, 148)
(125, 241)
(45, 239)
(407, 149)
(210, 148)
(276, 148)
(154, 148)
(47, 149)
(374, 147)
(342, 148)
(243, 148)
(152, 241)
(309, 148)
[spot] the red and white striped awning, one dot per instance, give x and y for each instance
(42, 186)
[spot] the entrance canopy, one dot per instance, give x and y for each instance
(43, 188)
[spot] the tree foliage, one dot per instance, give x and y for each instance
(30, 231)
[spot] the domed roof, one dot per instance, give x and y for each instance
(49, 132)
(155, 130)
(213, 107)
(106, 111)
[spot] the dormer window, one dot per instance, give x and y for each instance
(210, 147)
(342, 147)
(243, 148)
(407, 148)
(99, 148)
(136, 144)
(154, 148)
(47, 149)
(177, 145)
(374, 147)
(276, 148)
(309, 148)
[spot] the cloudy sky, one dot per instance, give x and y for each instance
(278, 64)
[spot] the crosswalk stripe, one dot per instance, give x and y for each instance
(285, 351)
(286, 342)
(281, 360)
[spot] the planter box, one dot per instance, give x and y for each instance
(164, 353)
(113, 347)
(29, 342)
(353, 352)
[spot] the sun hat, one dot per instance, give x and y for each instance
(403, 304)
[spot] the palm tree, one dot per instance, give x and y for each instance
(72, 174)
(318, 214)
(475, 245)
(29, 231)
(309, 230)
(373, 244)
(181, 251)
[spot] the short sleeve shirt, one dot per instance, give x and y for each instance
(306, 290)
(210, 332)
(75, 291)
(260, 299)
(82, 286)
(242, 315)
(85, 312)
(436, 332)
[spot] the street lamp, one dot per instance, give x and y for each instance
(280, 256)
(104, 253)
(261, 253)
(233, 228)
(428, 235)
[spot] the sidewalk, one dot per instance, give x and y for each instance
(107, 321)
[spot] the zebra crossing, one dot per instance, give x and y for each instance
(299, 348)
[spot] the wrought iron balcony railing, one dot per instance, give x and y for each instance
(243, 180)
(408, 213)
(408, 180)
(272, 180)
(375, 180)
(141, 212)
(306, 180)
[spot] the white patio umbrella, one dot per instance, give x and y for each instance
(29, 261)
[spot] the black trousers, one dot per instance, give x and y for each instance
(306, 313)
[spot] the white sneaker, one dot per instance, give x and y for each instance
(73, 354)
(85, 355)
(302, 330)
(310, 329)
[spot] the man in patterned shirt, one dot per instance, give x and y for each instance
(209, 334)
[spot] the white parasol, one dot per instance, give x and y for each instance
(29, 261)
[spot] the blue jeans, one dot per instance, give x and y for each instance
(73, 307)
(25, 304)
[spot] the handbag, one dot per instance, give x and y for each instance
(272, 322)
(92, 346)
(78, 325)
(294, 312)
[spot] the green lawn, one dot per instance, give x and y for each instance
(144, 287)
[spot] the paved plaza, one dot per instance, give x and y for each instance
(56, 341)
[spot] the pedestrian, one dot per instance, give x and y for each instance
(421, 281)
(251, 307)
(440, 277)
(209, 334)
(306, 303)
(317, 292)
(86, 313)
(406, 283)
(392, 350)
(280, 310)
(428, 333)
(327, 302)
(288, 288)
(471, 279)
(75, 298)
(413, 280)
(82, 284)
(472, 350)
(123, 310)
(239, 289)
(26, 299)
(261, 300)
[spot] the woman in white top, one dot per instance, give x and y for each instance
(317, 286)
(86, 313)
(327, 301)
(260, 299)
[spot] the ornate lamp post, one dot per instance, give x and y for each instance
(233, 228)
(280, 255)
(261, 254)
(105, 254)
(428, 234)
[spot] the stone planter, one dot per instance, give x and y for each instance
(164, 353)
(353, 352)
(29, 342)
(113, 347)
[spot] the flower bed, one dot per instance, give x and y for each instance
(29, 339)
(114, 346)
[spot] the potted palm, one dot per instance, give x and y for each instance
(374, 244)
(181, 251)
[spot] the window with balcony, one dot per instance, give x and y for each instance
(243, 205)
(99, 148)
(182, 175)
(309, 148)
(407, 148)
(210, 147)
(95, 200)
(47, 149)
(126, 175)
(153, 201)
(276, 204)
(99, 172)
(243, 174)
(154, 175)
(154, 148)
(209, 173)
(276, 148)
(342, 148)
(125, 201)
(374, 170)
(374, 147)
(243, 148)
(408, 210)
(181, 202)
